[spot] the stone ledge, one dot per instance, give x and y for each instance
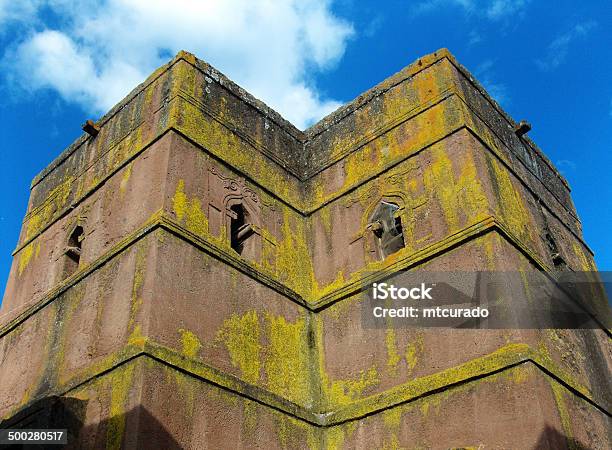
(473, 371)
(13, 318)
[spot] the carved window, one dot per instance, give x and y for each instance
(555, 254)
(386, 225)
(240, 227)
(73, 251)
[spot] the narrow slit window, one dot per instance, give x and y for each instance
(73, 251)
(240, 228)
(550, 241)
(555, 254)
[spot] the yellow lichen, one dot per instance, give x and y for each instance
(293, 261)
(138, 281)
(241, 335)
(339, 392)
(510, 205)
(190, 210)
(190, 344)
(586, 263)
(232, 148)
(461, 197)
(334, 438)
(393, 357)
(125, 178)
(564, 416)
(291, 433)
(339, 282)
(136, 337)
(120, 385)
(179, 201)
(519, 374)
(26, 254)
(412, 350)
(287, 359)
(342, 392)
(53, 204)
(196, 219)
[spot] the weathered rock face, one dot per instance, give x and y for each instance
(191, 276)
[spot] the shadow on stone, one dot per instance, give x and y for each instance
(136, 429)
(551, 438)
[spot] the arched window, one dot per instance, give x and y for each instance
(73, 251)
(386, 224)
(240, 227)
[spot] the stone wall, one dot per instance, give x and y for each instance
(174, 332)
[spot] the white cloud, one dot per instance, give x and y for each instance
(485, 74)
(558, 49)
(428, 6)
(105, 48)
(51, 59)
(498, 9)
(566, 167)
(11, 10)
(374, 25)
(493, 10)
(474, 37)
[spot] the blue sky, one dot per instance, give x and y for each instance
(63, 61)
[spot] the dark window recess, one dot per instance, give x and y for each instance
(387, 227)
(73, 251)
(555, 255)
(550, 241)
(558, 261)
(240, 228)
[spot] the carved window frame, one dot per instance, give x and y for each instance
(384, 240)
(73, 250)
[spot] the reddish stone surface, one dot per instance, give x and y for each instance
(170, 332)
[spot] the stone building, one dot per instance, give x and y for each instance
(190, 271)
